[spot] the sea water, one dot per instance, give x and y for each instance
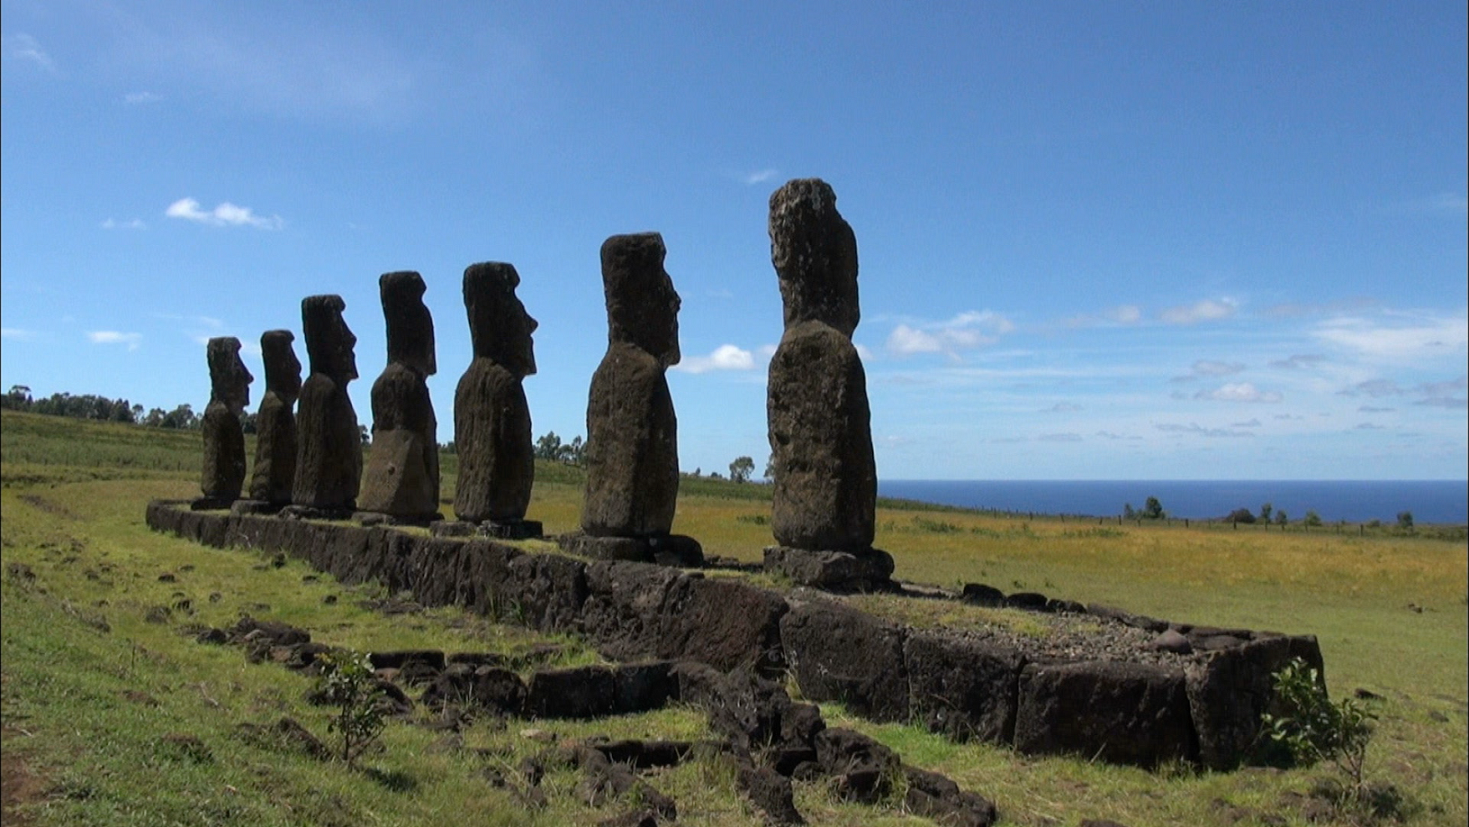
(1430, 501)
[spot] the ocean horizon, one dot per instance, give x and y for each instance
(1430, 501)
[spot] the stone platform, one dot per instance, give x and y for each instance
(1199, 703)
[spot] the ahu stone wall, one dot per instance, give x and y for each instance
(1202, 707)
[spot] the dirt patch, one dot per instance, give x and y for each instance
(18, 785)
(55, 509)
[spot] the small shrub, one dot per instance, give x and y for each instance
(753, 519)
(935, 526)
(1312, 728)
(1241, 515)
(347, 682)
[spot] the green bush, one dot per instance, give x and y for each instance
(347, 682)
(1311, 728)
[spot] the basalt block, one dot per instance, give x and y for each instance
(966, 689)
(836, 571)
(1124, 713)
(841, 654)
(667, 549)
(1230, 688)
(724, 623)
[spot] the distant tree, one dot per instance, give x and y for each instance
(1313, 520)
(18, 398)
(1127, 512)
(574, 452)
(1265, 512)
(741, 469)
(365, 434)
(155, 418)
(548, 446)
(698, 472)
(1281, 519)
(247, 423)
(1152, 509)
(1405, 520)
(770, 469)
(449, 447)
(1241, 515)
(182, 418)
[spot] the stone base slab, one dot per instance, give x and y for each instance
(241, 508)
(311, 512)
(834, 571)
(512, 530)
(668, 550)
(211, 504)
(369, 519)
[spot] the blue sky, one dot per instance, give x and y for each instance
(1097, 240)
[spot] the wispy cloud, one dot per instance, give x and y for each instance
(966, 331)
(141, 98)
(1252, 423)
(132, 224)
(1196, 429)
(25, 48)
(1067, 437)
(724, 357)
(1125, 314)
(224, 214)
(1239, 392)
(113, 337)
(1063, 407)
(1398, 337)
(1206, 368)
(1369, 426)
(1299, 361)
(1374, 409)
(1444, 394)
(19, 334)
(750, 179)
(1207, 310)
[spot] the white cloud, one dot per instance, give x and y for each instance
(1253, 423)
(1207, 310)
(1063, 407)
(1375, 388)
(17, 333)
(141, 98)
(724, 357)
(223, 215)
(1369, 426)
(24, 47)
(1125, 314)
(1206, 367)
(1238, 392)
(134, 224)
(966, 331)
(113, 337)
(1401, 339)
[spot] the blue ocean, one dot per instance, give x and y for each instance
(1430, 501)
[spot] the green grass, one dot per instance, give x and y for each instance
(89, 709)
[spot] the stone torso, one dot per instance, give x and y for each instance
(632, 447)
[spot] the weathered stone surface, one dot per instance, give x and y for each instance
(820, 428)
(1125, 713)
(979, 594)
(933, 796)
(329, 444)
(632, 432)
(724, 623)
(275, 422)
(1230, 689)
(815, 255)
(224, 441)
(772, 793)
(624, 610)
(825, 493)
(546, 590)
(963, 688)
(492, 424)
(842, 654)
(490, 688)
(837, 571)
(580, 692)
(865, 770)
(402, 475)
(665, 550)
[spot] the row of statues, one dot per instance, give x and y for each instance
(311, 464)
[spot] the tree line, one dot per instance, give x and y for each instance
(102, 409)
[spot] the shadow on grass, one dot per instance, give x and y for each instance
(393, 780)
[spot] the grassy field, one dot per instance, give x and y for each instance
(96, 697)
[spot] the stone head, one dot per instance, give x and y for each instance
(410, 327)
(329, 342)
(499, 327)
(815, 255)
(282, 368)
(229, 380)
(642, 306)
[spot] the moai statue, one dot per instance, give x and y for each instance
(224, 440)
(632, 433)
(825, 495)
(401, 481)
(492, 429)
(328, 440)
(275, 427)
